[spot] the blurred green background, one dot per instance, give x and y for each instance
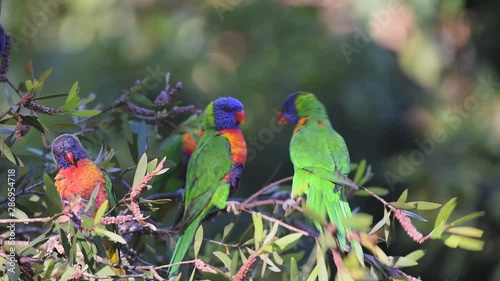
(412, 86)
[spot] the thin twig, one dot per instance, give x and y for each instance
(266, 188)
(287, 226)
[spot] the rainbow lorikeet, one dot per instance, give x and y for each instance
(76, 180)
(321, 162)
(214, 170)
(179, 150)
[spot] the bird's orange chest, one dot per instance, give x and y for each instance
(78, 182)
(237, 145)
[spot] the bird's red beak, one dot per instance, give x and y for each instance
(282, 119)
(70, 157)
(240, 116)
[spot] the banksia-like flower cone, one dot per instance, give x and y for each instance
(2, 39)
(166, 96)
(5, 53)
(407, 225)
(138, 110)
(42, 108)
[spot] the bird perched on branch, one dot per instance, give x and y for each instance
(77, 178)
(214, 170)
(321, 162)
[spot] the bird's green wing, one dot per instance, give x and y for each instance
(208, 166)
(110, 192)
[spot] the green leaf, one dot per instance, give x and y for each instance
(86, 100)
(466, 231)
(140, 170)
(403, 197)
(34, 122)
(404, 262)
(415, 255)
(72, 100)
(227, 230)
(93, 196)
(381, 223)
(100, 212)
(45, 75)
(272, 233)
(152, 165)
(86, 112)
(314, 274)
(111, 235)
(360, 171)
(277, 258)
(320, 261)
(294, 275)
(86, 222)
(438, 230)
(359, 222)
(471, 244)
(198, 239)
(380, 191)
(5, 150)
(51, 192)
(446, 211)
(286, 241)
(224, 258)
(452, 241)
(258, 228)
(467, 218)
(234, 263)
(419, 205)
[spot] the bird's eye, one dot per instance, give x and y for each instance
(226, 109)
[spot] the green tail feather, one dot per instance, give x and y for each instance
(322, 199)
(182, 245)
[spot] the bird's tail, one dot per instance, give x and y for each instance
(182, 245)
(325, 200)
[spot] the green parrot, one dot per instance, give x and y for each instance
(214, 170)
(321, 162)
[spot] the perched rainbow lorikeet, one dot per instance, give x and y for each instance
(214, 170)
(321, 162)
(76, 180)
(179, 150)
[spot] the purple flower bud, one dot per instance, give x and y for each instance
(2, 39)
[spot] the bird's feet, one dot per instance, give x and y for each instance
(233, 207)
(291, 203)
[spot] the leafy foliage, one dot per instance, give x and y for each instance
(49, 244)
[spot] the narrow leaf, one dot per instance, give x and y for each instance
(466, 231)
(140, 170)
(403, 197)
(381, 223)
(258, 228)
(86, 112)
(286, 241)
(111, 235)
(224, 258)
(467, 218)
(360, 171)
(446, 211)
(198, 239)
(100, 212)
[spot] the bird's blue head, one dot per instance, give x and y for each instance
(224, 113)
(67, 151)
(298, 105)
(288, 113)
